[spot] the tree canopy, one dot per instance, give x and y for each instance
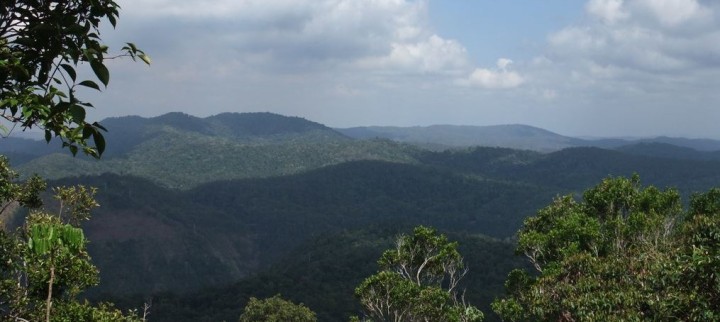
(624, 252)
(44, 265)
(418, 281)
(276, 309)
(42, 45)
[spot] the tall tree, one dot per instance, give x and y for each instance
(622, 253)
(45, 265)
(418, 281)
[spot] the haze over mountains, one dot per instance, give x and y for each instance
(143, 140)
(202, 213)
(514, 136)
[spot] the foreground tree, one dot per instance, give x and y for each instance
(42, 44)
(276, 309)
(624, 253)
(44, 265)
(418, 281)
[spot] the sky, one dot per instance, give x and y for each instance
(599, 68)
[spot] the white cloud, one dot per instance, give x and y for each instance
(499, 78)
(503, 63)
(298, 36)
(204, 9)
(633, 62)
(609, 11)
(663, 36)
(674, 12)
(431, 55)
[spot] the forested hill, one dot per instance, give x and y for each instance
(225, 230)
(222, 204)
(126, 133)
(515, 136)
(447, 136)
(149, 239)
(180, 151)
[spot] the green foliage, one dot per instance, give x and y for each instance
(75, 202)
(417, 282)
(45, 265)
(276, 309)
(424, 258)
(42, 43)
(26, 194)
(83, 311)
(623, 253)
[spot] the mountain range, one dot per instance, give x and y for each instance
(515, 136)
(201, 213)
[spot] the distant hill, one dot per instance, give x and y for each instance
(667, 150)
(522, 137)
(177, 150)
(125, 133)
(181, 151)
(706, 145)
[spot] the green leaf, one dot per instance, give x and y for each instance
(131, 46)
(89, 83)
(102, 73)
(77, 113)
(70, 71)
(97, 125)
(99, 142)
(145, 58)
(87, 131)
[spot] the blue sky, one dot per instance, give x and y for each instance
(582, 68)
(513, 28)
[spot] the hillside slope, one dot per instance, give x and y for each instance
(514, 136)
(521, 137)
(222, 231)
(148, 239)
(180, 151)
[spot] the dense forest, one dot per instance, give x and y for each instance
(295, 194)
(264, 217)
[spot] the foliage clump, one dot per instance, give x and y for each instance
(418, 281)
(276, 309)
(44, 265)
(42, 45)
(623, 253)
